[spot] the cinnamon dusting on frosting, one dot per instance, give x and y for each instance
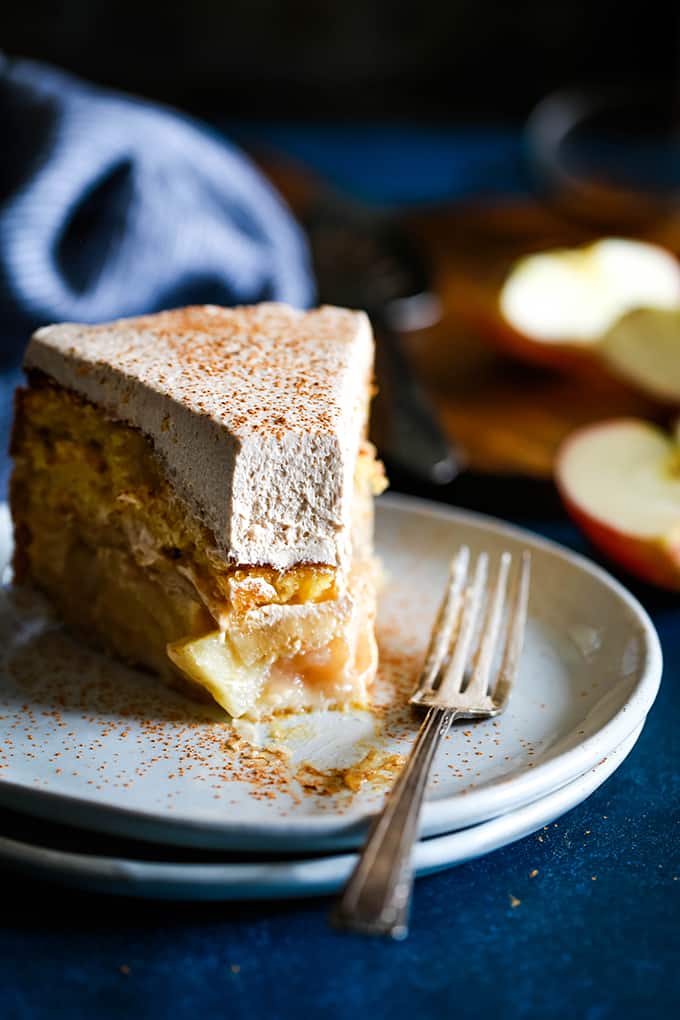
(257, 411)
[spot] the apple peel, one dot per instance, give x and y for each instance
(620, 482)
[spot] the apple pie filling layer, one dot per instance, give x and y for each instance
(319, 660)
(277, 658)
(101, 531)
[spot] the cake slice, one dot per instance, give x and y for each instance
(193, 491)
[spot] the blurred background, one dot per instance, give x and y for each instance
(444, 60)
(425, 150)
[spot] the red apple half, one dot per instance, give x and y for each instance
(620, 482)
(555, 307)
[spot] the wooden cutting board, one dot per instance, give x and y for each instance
(509, 417)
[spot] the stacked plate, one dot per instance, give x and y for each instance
(108, 781)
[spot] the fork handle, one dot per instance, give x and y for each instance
(377, 895)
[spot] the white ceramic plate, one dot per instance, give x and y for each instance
(276, 879)
(86, 741)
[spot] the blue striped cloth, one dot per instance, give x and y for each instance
(111, 206)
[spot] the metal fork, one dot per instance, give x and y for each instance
(454, 684)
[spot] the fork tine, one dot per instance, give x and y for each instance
(472, 604)
(447, 617)
(376, 898)
(515, 638)
(479, 681)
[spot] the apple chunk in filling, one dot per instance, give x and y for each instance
(334, 675)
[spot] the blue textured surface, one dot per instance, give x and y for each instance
(112, 206)
(595, 934)
(392, 164)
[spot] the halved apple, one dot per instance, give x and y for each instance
(555, 307)
(644, 348)
(620, 482)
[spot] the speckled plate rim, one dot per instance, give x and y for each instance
(333, 831)
(294, 878)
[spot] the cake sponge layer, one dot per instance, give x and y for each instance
(100, 529)
(257, 414)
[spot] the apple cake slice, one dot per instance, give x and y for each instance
(193, 491)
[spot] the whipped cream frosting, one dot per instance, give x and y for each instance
(257, 413)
